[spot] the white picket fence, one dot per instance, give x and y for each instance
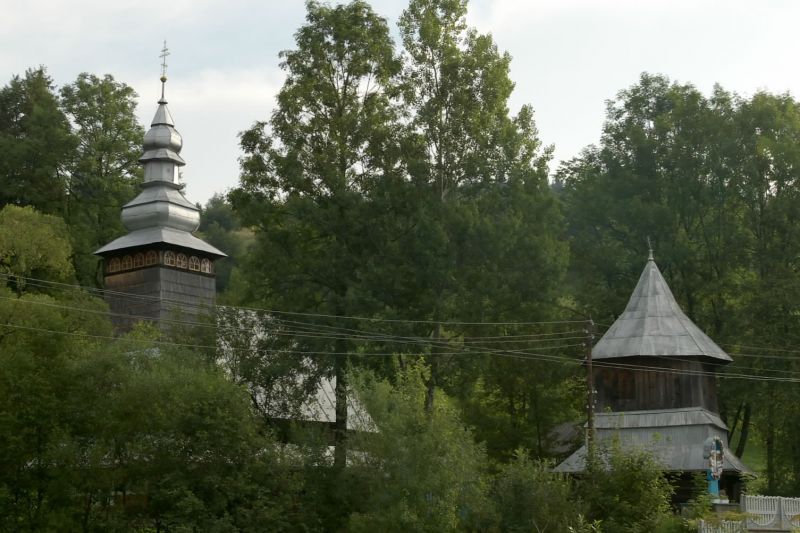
(726, 526)
(764, 514)
(771, 513)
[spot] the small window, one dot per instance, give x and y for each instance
(152, 258)
(169, 258)
(181, 261)
(127, 262)
(114, 265)
(205, 266)
(194, 263)
(138, 260)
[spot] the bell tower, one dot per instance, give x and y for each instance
(656, 389)
(159, 269)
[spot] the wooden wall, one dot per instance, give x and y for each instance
(158, 292)
(658, 383)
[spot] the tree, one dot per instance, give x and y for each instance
(768, 127)
(661, 172)
(383, 227)
(36, 143)
(529, 496)
(33, 245)
(101, 435)
(220, 227)
(104, 172)
(423, 470)
(478, 232)
(626, 490)
(305, 174)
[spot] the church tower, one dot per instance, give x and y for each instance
(654, 375)
(654, 356)
(159, 269)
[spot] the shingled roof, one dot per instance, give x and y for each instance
(654, 325)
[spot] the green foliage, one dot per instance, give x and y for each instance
(306, 173)
(529, 496)
(35, 142)
(626, 490)
(365, 201)
(220, 227)
(100, 435)
(424, 471)
(33, 245)
(72, 154)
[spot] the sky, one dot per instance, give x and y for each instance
(568, 58)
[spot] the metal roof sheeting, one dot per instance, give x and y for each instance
(654, 325)
(155, 235)
(674, 437)
(160, 213)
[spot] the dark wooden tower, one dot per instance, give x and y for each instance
(654, 373)
(653, 356)
(159, 269)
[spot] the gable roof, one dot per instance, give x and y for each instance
(654, 325)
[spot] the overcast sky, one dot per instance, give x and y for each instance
(569, 57)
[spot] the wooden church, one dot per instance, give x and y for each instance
(654, 377)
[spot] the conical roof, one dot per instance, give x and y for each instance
(654, 325)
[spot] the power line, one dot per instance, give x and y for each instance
(311, 333)
(380, 337)
(35, 281)
(515, 354)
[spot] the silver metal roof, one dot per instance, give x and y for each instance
(161, 213)
(162, 116)
(320, 406)
(654, 325)
(156, 235)
(674, 437)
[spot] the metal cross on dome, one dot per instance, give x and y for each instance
(163, 56)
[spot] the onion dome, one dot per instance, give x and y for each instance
(162, 141)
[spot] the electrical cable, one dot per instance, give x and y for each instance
(279, 312)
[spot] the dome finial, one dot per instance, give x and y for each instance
(163, 56)
(649, 250)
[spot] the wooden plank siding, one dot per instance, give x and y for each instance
(635, 389)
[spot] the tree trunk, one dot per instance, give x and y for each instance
(340, 424)
(735, 421)
(740, 446)
(434, 378)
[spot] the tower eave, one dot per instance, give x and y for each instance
(168, 236)
(162, 154)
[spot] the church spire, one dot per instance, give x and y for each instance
(161, 213)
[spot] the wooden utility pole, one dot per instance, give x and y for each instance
(590, 392)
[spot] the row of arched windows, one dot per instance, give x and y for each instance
(179, 260)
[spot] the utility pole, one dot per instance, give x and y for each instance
(590, 392)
